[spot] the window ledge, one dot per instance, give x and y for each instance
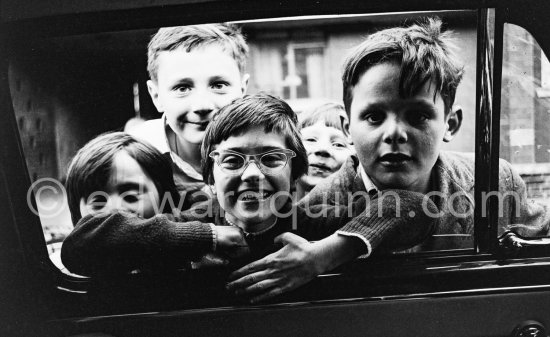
(532, 168)
(543, 92)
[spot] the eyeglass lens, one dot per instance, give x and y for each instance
(269, 162)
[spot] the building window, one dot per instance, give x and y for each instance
(303, 67)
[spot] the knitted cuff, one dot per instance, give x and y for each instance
(193, 237)
(360, 237)
(371, 229)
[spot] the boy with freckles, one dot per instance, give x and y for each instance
(194, 71)
(399, 91)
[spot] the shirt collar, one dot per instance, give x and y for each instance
(164, 147)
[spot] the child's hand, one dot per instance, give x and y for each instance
(231, 242)
(297, 263)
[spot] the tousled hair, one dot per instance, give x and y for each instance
(269, 112)
(330, 113)
(228, 36)
(424, 52)
(91, 168)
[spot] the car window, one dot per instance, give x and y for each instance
(68, 89)
(525, 109)
(525, 116)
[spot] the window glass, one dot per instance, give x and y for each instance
(67, 90)
(525, 116)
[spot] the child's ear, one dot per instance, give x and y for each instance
(454, 121)
(154, 93)
(244, 83)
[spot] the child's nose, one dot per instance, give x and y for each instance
(252, 171)
(111, 204)
(394, 131)
(201, 103)
(322, 151)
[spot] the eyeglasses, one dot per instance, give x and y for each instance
(270, 162)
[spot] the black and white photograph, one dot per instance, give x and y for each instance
(275, 168)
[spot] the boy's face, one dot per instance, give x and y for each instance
(191, 86)
(398, 139)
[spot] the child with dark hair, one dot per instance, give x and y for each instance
(325, 130)
(399, 91)
(118, 163)
(194, 71)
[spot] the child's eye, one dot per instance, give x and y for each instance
(131, 198)
(182, 89)
(219, 85)
(310, 139)
(417, 117)
(339, 144)
(232, 162)
(375, 117)
(97, 202)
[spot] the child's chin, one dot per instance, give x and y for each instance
(396, 183)
(193, 136)
(311, 180)
(249, 217)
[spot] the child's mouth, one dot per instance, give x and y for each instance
(394, 159)
(200, 125)
(253, 196)
(319, 169)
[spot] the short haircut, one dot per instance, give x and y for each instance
(245, 113)
(424, 53)
(228, 36)
(330, 113)
(91, 168)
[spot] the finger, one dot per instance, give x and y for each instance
(259, 288)
(248, 269)
(270, 294)
(246, 281)
(289, 238)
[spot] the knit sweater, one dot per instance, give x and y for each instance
(453, 182)
(122, 242)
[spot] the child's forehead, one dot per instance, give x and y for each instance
(253, 137)
(211, 50)
(126, 169)
(200, 63)
(380, 84)
(322, 128)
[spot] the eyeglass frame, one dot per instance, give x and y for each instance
(289, 154)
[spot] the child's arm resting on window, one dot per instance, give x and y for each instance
(121, 242)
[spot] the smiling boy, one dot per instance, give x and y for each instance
(194, 71)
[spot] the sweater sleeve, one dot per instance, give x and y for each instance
(392, 220)
(121, 242)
